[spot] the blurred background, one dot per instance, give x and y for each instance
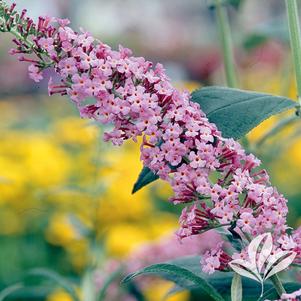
(65, 196)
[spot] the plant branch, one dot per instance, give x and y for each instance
(226, 43)
(295, 40)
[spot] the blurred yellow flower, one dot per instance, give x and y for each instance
(158, 290)
(61, 231)
(76, 131)
(122, 239)
(59, 295)
(45, 163)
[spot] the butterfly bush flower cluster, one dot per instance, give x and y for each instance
(221, 184)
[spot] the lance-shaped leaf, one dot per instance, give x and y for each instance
(220, 281)
(235, 112)
(58, 279)
(186, 273)
(236, 288)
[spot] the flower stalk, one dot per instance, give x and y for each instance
(225, 38)
(295, 40)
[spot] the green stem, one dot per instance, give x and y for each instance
(14, 32)
(225, 38)
(295, 38)
(278, 285)
(226, 43)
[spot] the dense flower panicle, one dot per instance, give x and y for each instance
(224, 184)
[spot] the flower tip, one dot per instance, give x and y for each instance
(12, 51)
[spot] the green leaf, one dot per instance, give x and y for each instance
(19, 291)
(55, 277)
(181, 275)
(10, 290)
(235, 112)
(236, 288)
(146, 177)
(135, 291)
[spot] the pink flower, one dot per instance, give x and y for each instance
(87, 60)
(47, 44)
(246, 222)
(215, 259)
(67, 67)
(210, 264)
(35, 73)
(195, 160)
(287, 242)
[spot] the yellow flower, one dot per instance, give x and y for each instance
(46, 164)
(59, 296)
(286, 170)
(12, 179)
(118, 176)
(79, 254)
(76, 131)
(122, 239)
(157, 290)
(162, 224)
(61, 231)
